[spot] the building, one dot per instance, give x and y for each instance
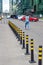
(12, 6)
(23, 6)
(0, 6)
(37, 6)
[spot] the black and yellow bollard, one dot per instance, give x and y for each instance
(20, 36)
(27, 46)
(17, 32)
(32, 51)
(23, 40)
(40, 56)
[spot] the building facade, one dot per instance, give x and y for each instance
(37, 5)
(10, 6)
(21, 6)
(0, 6)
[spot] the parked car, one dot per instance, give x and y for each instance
(20, 17)
(8, 16)
(33, 19)
(30, 18)
(14, 16)
(23, 18)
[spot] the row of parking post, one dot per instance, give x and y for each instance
(21, 37)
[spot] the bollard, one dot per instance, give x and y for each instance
(27, 50)
(23, 39)
(17, 32)
(20, 36)
(40, 56)
(32, 51)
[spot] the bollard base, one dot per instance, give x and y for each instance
(23, 47)
(27, 53)
(32, 61)
(20, 43)
(18, 39)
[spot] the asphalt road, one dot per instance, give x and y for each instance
(11, 51)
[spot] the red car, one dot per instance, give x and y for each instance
(30, 19)
(33, 19)
(23, 18)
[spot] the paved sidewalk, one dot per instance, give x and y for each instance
(10, 51)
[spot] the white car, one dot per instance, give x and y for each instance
(8, 16)
(20, 16)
